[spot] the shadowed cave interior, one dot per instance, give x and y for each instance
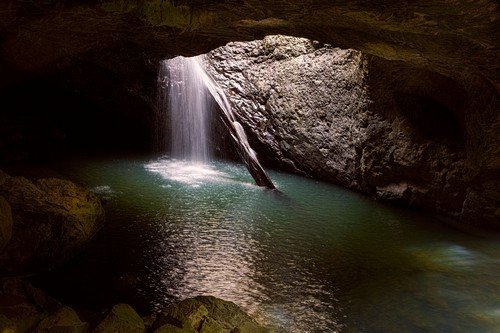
(378, 124)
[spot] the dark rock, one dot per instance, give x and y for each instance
(205, 314)
(64, 320)
(121, 319)
(5, 222)
(24, 308)
(435, 61)
(52, 218)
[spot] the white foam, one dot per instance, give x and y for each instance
(185, 172)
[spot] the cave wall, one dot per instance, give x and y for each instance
(385, 128)
(101, 102)
(93, 65)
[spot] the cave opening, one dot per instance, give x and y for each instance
(95, 212)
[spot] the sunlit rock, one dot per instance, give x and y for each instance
(382, 128)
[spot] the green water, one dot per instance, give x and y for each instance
(316, 258)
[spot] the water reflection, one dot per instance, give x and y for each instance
(324, 259)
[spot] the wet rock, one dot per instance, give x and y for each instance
(5, 222)
(121, 319)
(52, 219)
(205, 314)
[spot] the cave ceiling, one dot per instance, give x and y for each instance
(457, 38)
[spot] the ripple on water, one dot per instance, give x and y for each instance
(316, 259)
(194, 174)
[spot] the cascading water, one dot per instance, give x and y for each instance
(189, 109)
(184, 86)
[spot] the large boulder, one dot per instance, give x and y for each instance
(205, 314)
(375, 126)
(52, 218)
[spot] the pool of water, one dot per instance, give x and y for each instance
(313, 258)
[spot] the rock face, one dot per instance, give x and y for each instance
(5, 222)
(205, 314)
(359, 121)
(101, 56)
(52, 218)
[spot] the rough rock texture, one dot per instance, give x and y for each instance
(24, 308)
(5, 222)
(205, 314)
(451, 36)
(106, 52)
(121, 319)
(359, 121)
(52, 218)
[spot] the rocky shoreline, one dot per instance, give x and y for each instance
(24, 308)
(43, 223)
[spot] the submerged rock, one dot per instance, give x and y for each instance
(52, 218)
(205, 314)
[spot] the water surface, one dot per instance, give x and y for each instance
(316, 258)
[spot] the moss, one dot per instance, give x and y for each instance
(153, 12)
(63, 320)
(121, 318)
(158, 13)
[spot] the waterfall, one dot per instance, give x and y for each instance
(189, 109)
(185, 88)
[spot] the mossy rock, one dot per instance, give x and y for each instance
(168, 328)
(64, 320)
(51, 220)
(121, 319)
(206, 314)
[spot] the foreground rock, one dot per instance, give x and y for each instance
(52, 218)
(205, 314)
(121, 318)
(24, 308)
(379, 127)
